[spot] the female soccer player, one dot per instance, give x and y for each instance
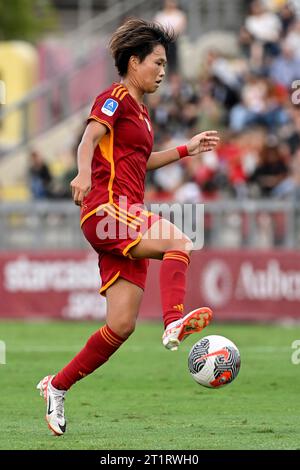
(113, 157)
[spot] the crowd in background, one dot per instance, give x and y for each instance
(251, 99)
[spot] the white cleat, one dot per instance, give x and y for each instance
(193, 322)
(55, 415)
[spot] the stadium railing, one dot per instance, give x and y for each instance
(54, 225)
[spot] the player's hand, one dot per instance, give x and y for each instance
(81, 186)
(203, 142)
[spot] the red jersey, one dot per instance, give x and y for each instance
(120, 158)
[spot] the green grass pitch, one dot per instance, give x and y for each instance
(145, 398)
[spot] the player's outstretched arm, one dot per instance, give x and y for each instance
(81, 184)
(203, 142)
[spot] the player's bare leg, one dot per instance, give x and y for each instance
(166, 242)
(123, 302)
(161, 237)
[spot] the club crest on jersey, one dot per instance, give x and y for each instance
(109, 107)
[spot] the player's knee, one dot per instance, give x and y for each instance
(189, 245)
(125, 328)
(183, 244)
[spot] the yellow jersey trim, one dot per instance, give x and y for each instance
(109, 283)
(102, 121)
(130, 245)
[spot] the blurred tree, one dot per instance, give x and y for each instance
(26, 19)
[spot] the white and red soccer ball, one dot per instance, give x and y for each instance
(214, 361)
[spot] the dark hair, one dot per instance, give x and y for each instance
(137, 37)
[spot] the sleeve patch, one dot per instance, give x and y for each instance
(109, 107)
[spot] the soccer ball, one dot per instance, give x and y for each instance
(214, 361)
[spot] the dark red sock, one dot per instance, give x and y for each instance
(172, 284)
(98, 349)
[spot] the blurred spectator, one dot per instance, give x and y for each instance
(202, 171)
(274, 5)
(231, 158)
(220, 78)
(290, 186)
(287, 16)
(40, 178)
(286, 67)
(270, 171)
(168, 178)
(261, 105)
(292, 40)
(62, 187)
(264, 26)
(172, 16)
(189, 192)
(211, 115)
(291, 132)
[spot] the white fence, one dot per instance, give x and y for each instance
(54, 225)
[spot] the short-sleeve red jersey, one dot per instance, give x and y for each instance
(120, 158)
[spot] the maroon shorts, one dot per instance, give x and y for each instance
(113, 231)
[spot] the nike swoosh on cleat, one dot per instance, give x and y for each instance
(49, 406)
(63, 428)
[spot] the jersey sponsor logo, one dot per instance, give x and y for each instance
(109, 107)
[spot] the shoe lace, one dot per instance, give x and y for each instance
(59, 398)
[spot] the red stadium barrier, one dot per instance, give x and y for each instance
(55, 285)
(241, 285)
